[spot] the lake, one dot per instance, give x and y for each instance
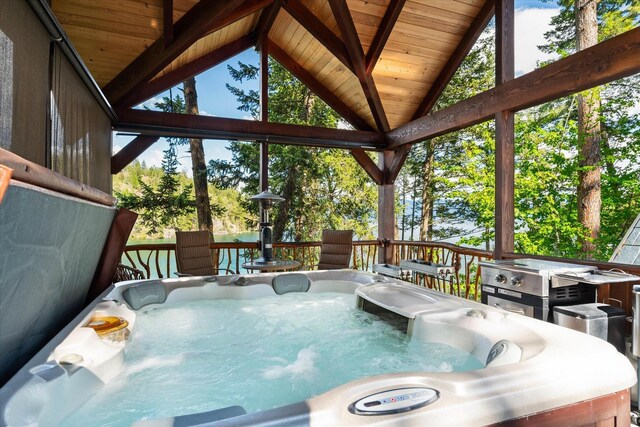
(251, 236)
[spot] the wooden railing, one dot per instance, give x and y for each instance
(158, 260)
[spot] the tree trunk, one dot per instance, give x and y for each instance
(589, 134)
(280, 224)
(426, 226)
(198, 164)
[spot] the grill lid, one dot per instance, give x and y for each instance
(539, 266)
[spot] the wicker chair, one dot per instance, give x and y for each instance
(124, 273)
(193, 255)
(335, 252)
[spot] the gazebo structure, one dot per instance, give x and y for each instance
(380, 64)
(71, 72)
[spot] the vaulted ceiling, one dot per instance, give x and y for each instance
(379, 63)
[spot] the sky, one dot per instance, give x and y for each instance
(532, 20)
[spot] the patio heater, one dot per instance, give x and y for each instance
(266, 200)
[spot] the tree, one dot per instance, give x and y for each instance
(454, 172)
(603, 131)
(589, 135)
(318, 185)
(160, 207)
(198, 162)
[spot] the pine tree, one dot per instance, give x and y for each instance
(318, 185)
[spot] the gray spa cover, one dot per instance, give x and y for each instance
(50, 245)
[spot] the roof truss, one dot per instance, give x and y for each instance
(356, 55)
(605, 62)
(192, 126)
(205, 16)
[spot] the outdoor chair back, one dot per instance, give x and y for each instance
(335, 252)
(193, 256)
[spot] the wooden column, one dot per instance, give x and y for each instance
(386, 204)
(504, 191)
(264, 113)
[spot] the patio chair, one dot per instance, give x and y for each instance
(193, 255)
(335, 252)
(125, 272)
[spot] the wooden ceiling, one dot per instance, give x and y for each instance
(379, 63)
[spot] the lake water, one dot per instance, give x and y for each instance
(241, 237)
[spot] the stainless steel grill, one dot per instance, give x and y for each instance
(525, 286)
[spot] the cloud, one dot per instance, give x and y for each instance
(150, 103)
(152, 157)
(115, 149)
(206, 113)
(531, 24)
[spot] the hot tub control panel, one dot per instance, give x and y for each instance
(394, 401)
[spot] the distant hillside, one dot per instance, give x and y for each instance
(230, 218)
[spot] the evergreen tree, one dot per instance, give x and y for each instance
(162, 206)
(318, 185)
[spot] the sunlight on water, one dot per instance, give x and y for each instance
(263, 353)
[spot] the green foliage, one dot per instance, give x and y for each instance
(455, 171)
(231, 218)
(160, 206)
(318, 184)
(461, 183)
(614, 17)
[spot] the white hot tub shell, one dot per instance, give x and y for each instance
(532, 368)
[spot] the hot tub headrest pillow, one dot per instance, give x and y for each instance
(147, 293)
(292, 282)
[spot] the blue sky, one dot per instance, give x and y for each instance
(532, 20)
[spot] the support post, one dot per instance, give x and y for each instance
(386, 204)
(264, 166)
(505, 153)
(264, 116)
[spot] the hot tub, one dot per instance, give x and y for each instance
(531, 371)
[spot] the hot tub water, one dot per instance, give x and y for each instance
(257, 353)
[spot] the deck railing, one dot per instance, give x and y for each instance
(157, 260)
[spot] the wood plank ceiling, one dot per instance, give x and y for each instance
(381, 73)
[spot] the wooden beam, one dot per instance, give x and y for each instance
(131, 151)
(505, 51)
(384, 31)
(267, 18)
(197, 66)
(610, 60)
(505, 134)
(464, 47)
(386, 210)
(206, 127)
(167, 22)
(264, 167)
(264, 81)
(249, 7)
(369, 166)
(324, 35)
(318, 88)
(201, 18)
(399, 157)
(354, 48)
